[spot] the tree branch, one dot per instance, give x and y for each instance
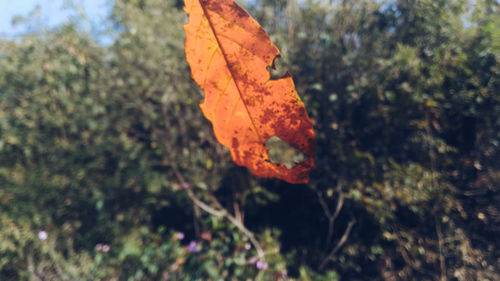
(341, 243)
(331, 217)
(221, 212)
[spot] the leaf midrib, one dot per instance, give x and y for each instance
(240, 92)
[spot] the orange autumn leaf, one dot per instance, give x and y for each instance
(263, 122)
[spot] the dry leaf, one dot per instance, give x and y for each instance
(263, 122)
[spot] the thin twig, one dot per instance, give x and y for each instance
(442, 262)
(221, 212)
(237, 212)
(196, 216)
(248, 234)
(322, 202)
(340, 204)
(339, 245)
(203, 206)
(331, 217)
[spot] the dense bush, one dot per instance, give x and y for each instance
(108, 168)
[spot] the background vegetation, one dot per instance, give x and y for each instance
(107, 166)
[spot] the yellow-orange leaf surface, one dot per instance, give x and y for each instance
(253, 116)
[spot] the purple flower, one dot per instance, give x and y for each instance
(262, 265)
(102, 247)
(185, 184)
(248, 246)
(180, 235)
(193, 247)
(105, 248)
(42, 235)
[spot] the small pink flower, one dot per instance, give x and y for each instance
(102, 247)
(105, 248)
(180, 236)
(248, 246)
(185, 184)
(262, 265)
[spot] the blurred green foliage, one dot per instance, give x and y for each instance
(98, 145)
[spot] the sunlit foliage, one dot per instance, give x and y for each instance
(99, 144)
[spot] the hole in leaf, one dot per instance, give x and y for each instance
(282, 153)
(278, 69)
